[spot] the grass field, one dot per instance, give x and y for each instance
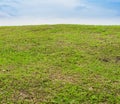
(60, 64)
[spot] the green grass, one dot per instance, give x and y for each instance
(60, 64)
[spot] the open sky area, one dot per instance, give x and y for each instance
(30, 12)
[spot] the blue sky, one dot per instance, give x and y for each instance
(22, 12)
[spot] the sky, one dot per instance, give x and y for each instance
(35, 12)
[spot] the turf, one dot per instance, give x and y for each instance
(60, 64)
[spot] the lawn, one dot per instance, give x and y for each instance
(60, 64)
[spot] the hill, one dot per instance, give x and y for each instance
(60, 64)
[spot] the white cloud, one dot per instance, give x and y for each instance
(2, 15)
(67, 3)
(40, 21)
(57, 11)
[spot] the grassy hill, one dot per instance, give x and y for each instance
(60, 64)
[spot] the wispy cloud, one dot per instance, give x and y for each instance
(8, 8)
(59, 10)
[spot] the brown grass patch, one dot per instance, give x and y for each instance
(58, 75)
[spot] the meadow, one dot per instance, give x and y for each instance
(60, 64)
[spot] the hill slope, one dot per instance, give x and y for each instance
(60, 64)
